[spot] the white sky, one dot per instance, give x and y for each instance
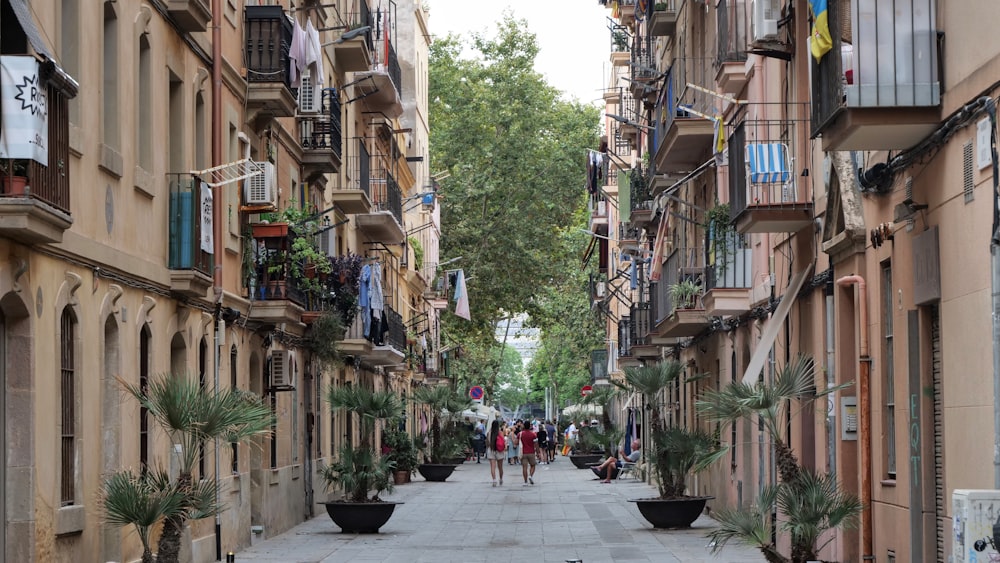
(573, 38)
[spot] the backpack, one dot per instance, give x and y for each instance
(501, 445)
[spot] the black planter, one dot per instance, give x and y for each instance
(602, 475)
(436, 471)
(458, 460)
(584, 461)
(671, 513)
(360, 517)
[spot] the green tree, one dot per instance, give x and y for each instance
(512, 381)
(516, 155)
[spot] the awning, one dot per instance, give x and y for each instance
(773, 325)
(52, 72)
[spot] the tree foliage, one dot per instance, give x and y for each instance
(516, 154)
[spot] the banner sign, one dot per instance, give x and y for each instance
(207, 239)
(25, 131)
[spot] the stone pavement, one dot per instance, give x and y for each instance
(566, 515)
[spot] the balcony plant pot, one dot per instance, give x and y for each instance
(360, 517)
(15, 185)
(401, 477)
(309, 317)
(437, 472)
(671, 513)
(272, 234)
(584, 461)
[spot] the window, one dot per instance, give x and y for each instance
(889, 407)
(144, 338)
(144, 120)
(109, 93)
(175, 124)
(234, 384)
(67, 402)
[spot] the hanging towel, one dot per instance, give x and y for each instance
(314, 53)
(377, 297)
(462, 298)
(298, 51)
(363, 301)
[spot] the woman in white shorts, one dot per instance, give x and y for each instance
(496, 448)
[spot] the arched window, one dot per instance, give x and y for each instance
(144, 362)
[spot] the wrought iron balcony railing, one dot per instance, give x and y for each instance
(268, 43)
(323, 130)
(731, 16)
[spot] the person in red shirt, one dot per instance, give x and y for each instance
(529, 444)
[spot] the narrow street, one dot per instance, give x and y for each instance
(567, 515)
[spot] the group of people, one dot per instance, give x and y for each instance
(523, 443)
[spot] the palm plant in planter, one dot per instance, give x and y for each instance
(809, 503)
(673, 453)
(444, 441)
(192, 416)
(401, 451)
(361, 471)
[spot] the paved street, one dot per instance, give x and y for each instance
(566, 515)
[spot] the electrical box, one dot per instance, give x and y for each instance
(975, 512)
(848, 418)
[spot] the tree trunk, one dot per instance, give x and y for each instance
(147, 556)
(169, 547)
(788, 464)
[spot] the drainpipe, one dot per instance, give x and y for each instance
(831, 381)
(991, 110)
(864, 413)
(217, 231)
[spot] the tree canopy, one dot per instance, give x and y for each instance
(514, 201)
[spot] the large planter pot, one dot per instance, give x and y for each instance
(436, 471)
(360, 517)
(457, 460)
(671, 513)
(584, 461)
(401, 477)
(614, 471)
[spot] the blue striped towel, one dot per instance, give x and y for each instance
(768, 163)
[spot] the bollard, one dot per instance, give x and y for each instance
(230, 557)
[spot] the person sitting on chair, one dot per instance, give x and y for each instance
(604, 469)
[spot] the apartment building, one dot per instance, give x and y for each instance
(764, 198)
(149, 238)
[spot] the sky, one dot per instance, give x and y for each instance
(573, 38)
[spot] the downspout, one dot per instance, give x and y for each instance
(991, 110)
(217, 231)
(864, 413)
(831, 381)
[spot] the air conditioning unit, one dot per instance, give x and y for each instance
(309, 98)
(328, 242)
(261, 189)
(765, 20)
(281, 369)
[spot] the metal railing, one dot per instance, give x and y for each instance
(640, 196)
(323, 131)
(362, 18)
(675, 97)
(396, 336)
(731, 16)
(625, 337)
(268, 42)
(359, 167)
(385, 193)
(642, 323)
(184, 245)
(683, 264)
(762, 165)
(729, 262)
(51, 183)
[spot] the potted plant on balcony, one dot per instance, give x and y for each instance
(620, 41)
(444, 441)
(323, 338)
(401, 451)
(660, 7)
(15, 176)
(674, 454)
(360, 470)
(685, 294)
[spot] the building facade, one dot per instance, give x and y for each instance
(763, 198)
(176, 132)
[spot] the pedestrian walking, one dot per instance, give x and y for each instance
(550, 431)
(496, 450)
(529, 444)
(543, 443)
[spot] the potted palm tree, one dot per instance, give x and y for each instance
(192, 416)
(443, 442)
(361, 472)
(673, 453)
(809, 503)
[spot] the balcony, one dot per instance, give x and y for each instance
(376, 347)
(880, 91)
(764, 194)
(190, 15)
(598, 206)
(681, 313)
(629, 237)
(321, 135)
(683, 137)
(35, 199)
(641, 331)
(355, 54)
(728, 275)
(644, 74)
(663, 23)
(383, 222)
(381, 86)
(355, 195)
(624, 11)
(190, 266)
(274, 289)
(640, 199)
(268, 40)
(731, 53)
(621, 41)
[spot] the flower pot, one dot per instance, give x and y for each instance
(309, 317)
(671, 513)
(360, 517)
(309, 271)
(401, 477)
(15, 185)
(436, 471)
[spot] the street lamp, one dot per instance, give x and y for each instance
(629, 122)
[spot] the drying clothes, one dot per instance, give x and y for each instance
(363, 301)
(314, 53)
(297, 53)
(377, 297)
